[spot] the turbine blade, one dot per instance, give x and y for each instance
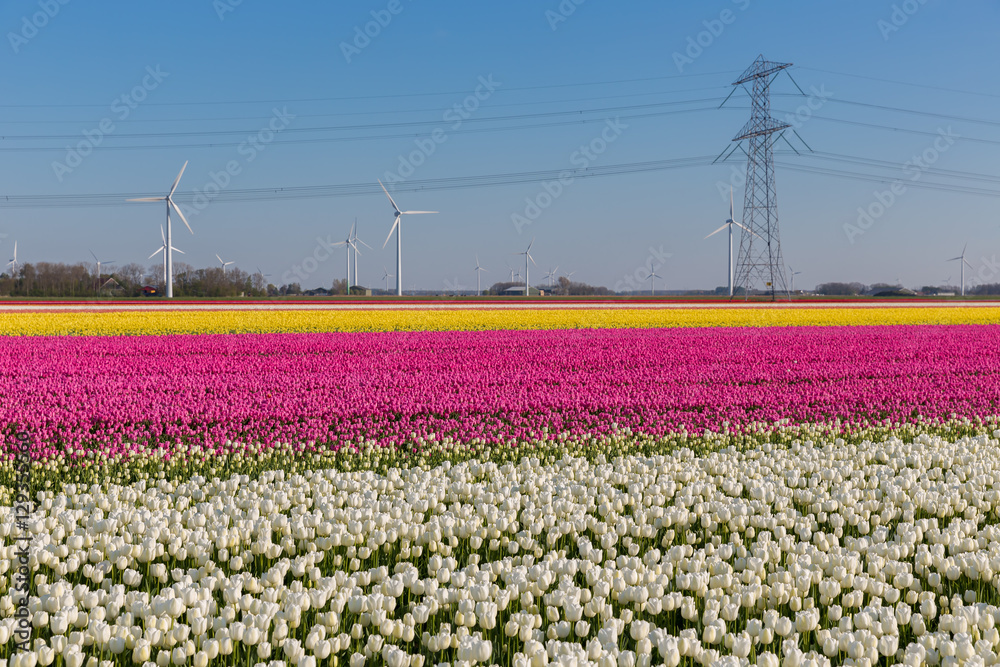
(389, 196)
(177, 180)
(176, 250)
(718, 230)
(93, 255)
(148, 199)
(155, 254)
(417, 212)
(163, 236)
(363, 243)
(217, 257)
(391, 229)
(180, 213)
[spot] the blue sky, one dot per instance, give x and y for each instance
(224, 67)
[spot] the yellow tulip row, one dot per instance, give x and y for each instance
(315, 321)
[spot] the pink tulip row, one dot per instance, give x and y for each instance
(136, 394)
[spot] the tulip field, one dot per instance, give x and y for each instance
(619, 488)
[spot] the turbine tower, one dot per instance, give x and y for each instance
(729, 223)
(791, 276)
(527, 273)
(385, 276)
(397, 227)
(168, 242)
(479, 278)
(355, 240)
(99, 263)
(964, 263)
(652, 286)
(163, 249)
(759, 261)
(13, 262)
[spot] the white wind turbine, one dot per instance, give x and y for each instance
(792, 273)
(652, 288)
(223, 262)
(168, 242)
(479, 277)
(13, 262)
(964, 263)
(355, 240)
(398, 228)
(550, 275)
(99, 262)
(729, 223)
(527, 268)
(385, 276)
(349, 243)
(163, 249)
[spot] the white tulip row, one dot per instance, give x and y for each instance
(815, 554)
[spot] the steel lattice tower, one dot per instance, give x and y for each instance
(759, 262)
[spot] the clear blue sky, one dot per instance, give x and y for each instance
(226, 75)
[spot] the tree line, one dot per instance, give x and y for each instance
(53, 279)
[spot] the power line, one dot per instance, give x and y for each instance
(901, 83)
(437, 109)
(368, 97)
(315, 140)
(355, 189)
(487, 180)
(369, 126)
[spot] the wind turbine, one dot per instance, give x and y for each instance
(386, 277)
(223, 262)
(511, 271)
(964, 263)
(551, 274)
(99, 262)
(652, 290)
(163, 249)
(729, 223)
(13, 262)
(168, 242)
(479, 277)
(793, 273)
(354, 244)
(527, 256)
(398, 228)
